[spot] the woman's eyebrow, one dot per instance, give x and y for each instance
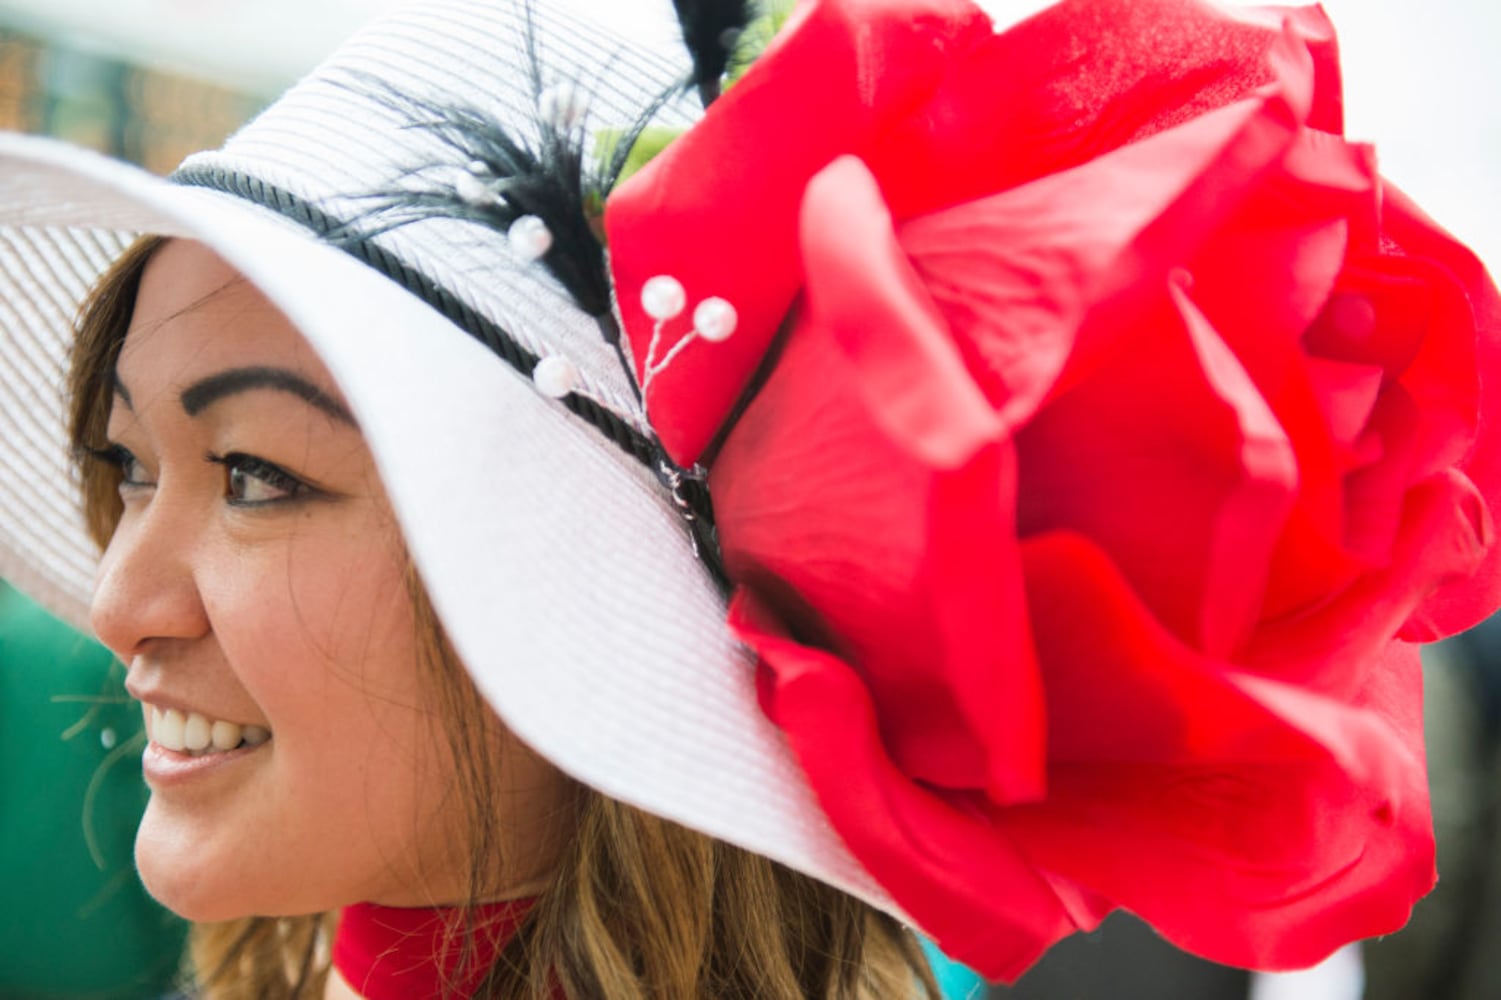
(209, 390)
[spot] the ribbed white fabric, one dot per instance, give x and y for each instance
(327, 142)
(557, 563)
(44, 272)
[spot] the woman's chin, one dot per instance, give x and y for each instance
(181, 869)
(188, 901)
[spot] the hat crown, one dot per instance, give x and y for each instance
(353, 131)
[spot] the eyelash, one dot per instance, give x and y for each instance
(120, 458)
(238, 464)
(238, 468)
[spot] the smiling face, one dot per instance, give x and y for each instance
(256, 587)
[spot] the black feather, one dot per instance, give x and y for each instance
(542, 175)
(540, 168)
(710, 30)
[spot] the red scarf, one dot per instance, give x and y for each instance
(391, 953)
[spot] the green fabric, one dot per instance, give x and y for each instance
(75, 921)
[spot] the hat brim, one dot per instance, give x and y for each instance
(558, 566)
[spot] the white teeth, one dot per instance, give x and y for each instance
(225, 735)
(169, 730)
(196, 732)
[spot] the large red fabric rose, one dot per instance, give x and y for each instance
(1126, 430)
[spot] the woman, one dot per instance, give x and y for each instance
(1088, 441)
(248, 642)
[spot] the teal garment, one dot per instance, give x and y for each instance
(956, 981)
(75, 921)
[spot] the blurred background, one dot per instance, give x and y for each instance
(153, 80)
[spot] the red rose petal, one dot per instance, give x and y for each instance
(1460, 603)
(938, 855)
(1346, 396)
(1422, 335)
(862, 289)
(1248, 821)
(1016, 273)
(1288, 228)
(1252, 513)
(1085, 77)
(1376, 490)
(1444, 534)
(1173, 465)
(902, 568)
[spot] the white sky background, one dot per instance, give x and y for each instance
(1422, 77)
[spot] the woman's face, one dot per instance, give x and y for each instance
(256, 589)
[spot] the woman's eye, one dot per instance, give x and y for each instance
(253, 482)
(132, 473)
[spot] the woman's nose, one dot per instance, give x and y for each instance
(145, 590)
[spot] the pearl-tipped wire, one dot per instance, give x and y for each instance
(663, 298)
(653, 370)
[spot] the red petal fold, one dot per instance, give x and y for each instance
(1249, 821)
(1444, 534)
(954, 872)
(863, 290)
(1460, 603)
(901, 566)
(1088, 76)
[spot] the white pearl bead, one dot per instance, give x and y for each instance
(563, 105)
(663, 297)
(475, 192)
(715, 319)
(555, 376)
(529, 237)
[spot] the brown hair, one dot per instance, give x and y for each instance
(638, 906)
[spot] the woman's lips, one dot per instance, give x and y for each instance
(163, 768)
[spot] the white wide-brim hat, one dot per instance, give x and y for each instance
(560, 566)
